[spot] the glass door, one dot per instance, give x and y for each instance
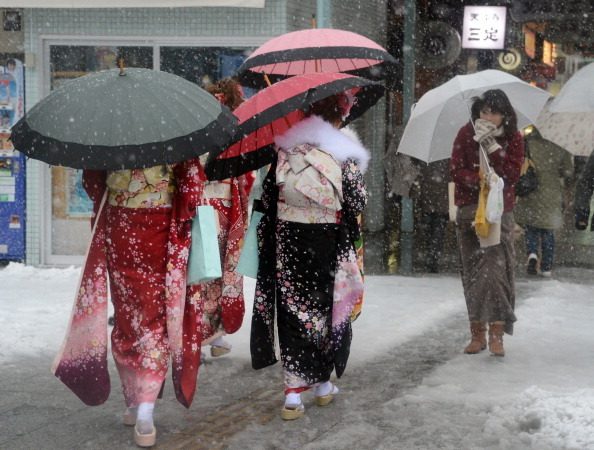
(70, 230)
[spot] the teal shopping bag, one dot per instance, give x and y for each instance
(248, 260)
(204, 261)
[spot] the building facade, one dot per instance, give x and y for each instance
(200, 44)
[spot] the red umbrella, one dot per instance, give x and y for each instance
(275, 109)
(315, 50)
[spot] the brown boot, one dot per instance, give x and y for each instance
(479, 341)
(496, 339)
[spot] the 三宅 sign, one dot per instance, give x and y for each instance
(484, 27)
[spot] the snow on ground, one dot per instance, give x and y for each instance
(540, 396)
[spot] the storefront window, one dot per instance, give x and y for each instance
(72, 61)
(202, 65)
(70, 207)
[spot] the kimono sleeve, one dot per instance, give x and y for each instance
(94, 183)
(189, 179)
(354, 190)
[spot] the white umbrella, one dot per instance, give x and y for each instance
(568, 119)
(577, 95)
(441, 112)
(572, 131)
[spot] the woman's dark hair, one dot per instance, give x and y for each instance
(497, 102)
(328, 109)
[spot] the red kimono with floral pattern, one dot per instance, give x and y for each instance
(82, 361)
(222, 299)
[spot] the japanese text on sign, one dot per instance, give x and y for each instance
(484, 27)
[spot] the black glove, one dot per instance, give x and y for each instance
(581, 218)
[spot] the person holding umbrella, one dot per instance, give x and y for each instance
(490, 138)
(308, 269)
(140, 171)
(144, 211)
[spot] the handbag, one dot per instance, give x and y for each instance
(488, 233)
(248, 259)
(204, 260)
(494, 207)
(528, 181)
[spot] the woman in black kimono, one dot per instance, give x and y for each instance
(308, 269)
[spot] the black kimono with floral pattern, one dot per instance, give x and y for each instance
(304, 272)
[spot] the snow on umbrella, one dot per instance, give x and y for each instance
(273, 110)
(439, 114)
(315, 50)
(128, 119)
(567, 121)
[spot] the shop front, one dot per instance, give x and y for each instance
(201, 44)
(68, 210)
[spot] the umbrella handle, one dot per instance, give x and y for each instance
(486, 159)
(268, 83)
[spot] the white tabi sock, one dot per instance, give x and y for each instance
(325, 388)
(144, 418)
(292, 399)
(220, 342)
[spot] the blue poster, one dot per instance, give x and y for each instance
(79, 203)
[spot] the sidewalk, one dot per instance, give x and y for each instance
(37, 412)
(407, 382)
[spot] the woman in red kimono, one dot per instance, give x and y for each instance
(223, 301)
(141, 237)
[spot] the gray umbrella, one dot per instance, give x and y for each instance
(120, 120)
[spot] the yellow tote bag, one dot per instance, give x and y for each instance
(481, 226)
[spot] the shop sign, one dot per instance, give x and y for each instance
(484, 27)
(129, 3)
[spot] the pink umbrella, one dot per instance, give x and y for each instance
(314, 50)
(272, 111)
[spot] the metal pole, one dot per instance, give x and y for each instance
(408, 97)
(323, 13)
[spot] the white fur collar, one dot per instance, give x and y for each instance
(316, 131)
